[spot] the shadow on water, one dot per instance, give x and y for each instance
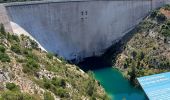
(108, 58)
(116, 86)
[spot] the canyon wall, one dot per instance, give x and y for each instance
(78, 29)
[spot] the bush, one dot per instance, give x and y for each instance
(167, 7)
(4, 57)
(12, 86)
(165, 32)
(58, 82)
(48, 96)
(30, 55)
(154, 14)
(2, 49)
(56, 86)
(16, 48)
(47, 84)
(31, 67)
(62, 93)
(2, 29)
(49, 55)
(9, 95)
(13, 38)
(52, 68)
(161, 17)
(34, 44)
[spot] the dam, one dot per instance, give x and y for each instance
(76, 29)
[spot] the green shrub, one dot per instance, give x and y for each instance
(47, 84)
(52, 68)
(4, 57)
(31, 67)
(146, 25)
(167, 7)
(48, 96)
(154, 14)
(16, 48)
(56, 86)
(13, 38)
(9, 95)
(12, 86)
(58, 82)
(2, 29)
(49, 55)
(165, 32)
(34, 44)
(161, 17)
(2, 49)
(62, 93)
(30, 55)
(165, 27)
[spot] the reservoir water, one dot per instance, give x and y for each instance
(112, 80)
(116, 86)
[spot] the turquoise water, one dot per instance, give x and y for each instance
(116, 86)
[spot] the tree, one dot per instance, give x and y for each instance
(2, 29)
(133, 73)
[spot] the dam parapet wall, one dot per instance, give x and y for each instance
(78, 29)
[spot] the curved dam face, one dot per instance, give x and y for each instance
(77, 29)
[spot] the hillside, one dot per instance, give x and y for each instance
(148, 51)
(28, 73)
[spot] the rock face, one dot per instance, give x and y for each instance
(78, 29)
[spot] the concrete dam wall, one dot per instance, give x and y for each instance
(77, 29)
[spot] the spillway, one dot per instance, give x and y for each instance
(76, 29)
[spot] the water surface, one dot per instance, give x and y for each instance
(116, 86)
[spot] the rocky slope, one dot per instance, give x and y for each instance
(148, 51)
(28, 73)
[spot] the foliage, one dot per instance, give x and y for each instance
(146, 25)
(158, 16)
(49, 55)
(2, 29)
(10, 95)
(24, 51)
(16, 48)
(31, 67)
(34, 44)
(165, 29)
(2, 49)
(167, 7)
(14, 93)
(4, 57)
(161, 17)
(48, 96)
(154, 14)
(29, 55)
(146, 52)
(12, 86)
(56, 86)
